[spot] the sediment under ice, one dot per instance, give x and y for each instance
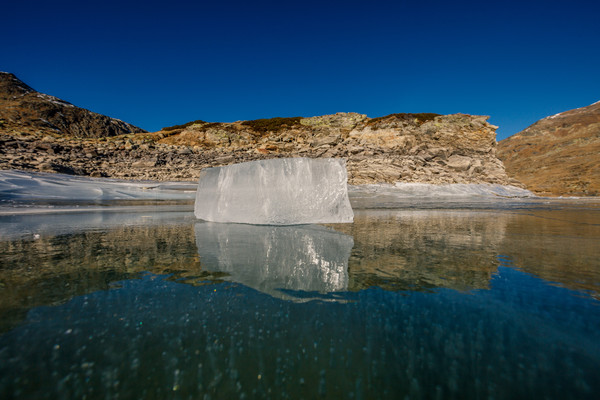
(284, 191)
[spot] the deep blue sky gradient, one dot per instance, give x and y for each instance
(157, 64)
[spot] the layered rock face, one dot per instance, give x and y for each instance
(400, 147)
(24, 109)
(558, 155)
(41, 132)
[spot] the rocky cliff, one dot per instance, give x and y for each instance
(399, 147)
(23, 109)
(41, 132)
(558, 155)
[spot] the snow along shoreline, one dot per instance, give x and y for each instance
(17, 187)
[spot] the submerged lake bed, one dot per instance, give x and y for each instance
(421, 300)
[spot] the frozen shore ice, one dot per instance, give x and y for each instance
(42, 186)
(426, 195)
(284, 191)
(39, 192)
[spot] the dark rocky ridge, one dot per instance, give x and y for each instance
(23, 108)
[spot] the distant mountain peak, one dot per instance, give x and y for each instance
(11, 85)
(23, 109)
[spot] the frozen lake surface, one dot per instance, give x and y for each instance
(451, 295)
(37, 192)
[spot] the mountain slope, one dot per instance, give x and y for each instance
(39, 132)
(558, 155)
(426, 148)
(26, 110)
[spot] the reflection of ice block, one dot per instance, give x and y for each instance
(282, 191)
(267, 258)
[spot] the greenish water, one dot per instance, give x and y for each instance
(483, 303)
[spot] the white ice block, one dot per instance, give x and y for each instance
(282, 191)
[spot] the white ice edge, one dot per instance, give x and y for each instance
(40, 186)
(433, 191)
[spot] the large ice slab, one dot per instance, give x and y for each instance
(277, 260)
(283, 191)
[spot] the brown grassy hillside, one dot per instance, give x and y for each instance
(558, 155)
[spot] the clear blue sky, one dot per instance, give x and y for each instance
(157, 64)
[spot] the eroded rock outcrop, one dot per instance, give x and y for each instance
(41, 132)
(428, 148)
(401, 147)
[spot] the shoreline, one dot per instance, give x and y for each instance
(40, 192)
